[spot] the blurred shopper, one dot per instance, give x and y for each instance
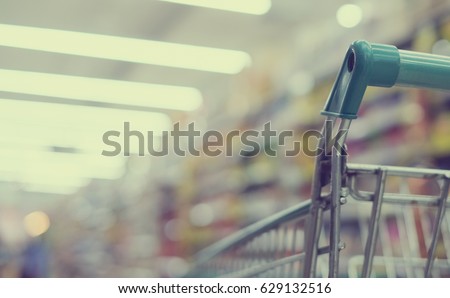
(35, 259)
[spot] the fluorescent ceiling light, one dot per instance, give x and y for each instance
(50, 172)
(38, 124)
(257, 7)
(55, 188)
(46, 166)
(35, 182)
(45, 114)
(101, 90)
(125, 49)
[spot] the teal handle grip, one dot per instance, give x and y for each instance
(424, 70)
(371, 64)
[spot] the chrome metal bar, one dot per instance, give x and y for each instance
(356, 260)
(296, 212)
(398, 198)
(316, 214)
(406, 253)
(284, 249)
(354, 170)
(311, 243)
(276, 248)
(446, 234)
(256, 270)
(386, 246)
(412, 235)
(436, 228)
(293, 247)
(335, 206)
(398, 171)
(335, 210)
(301, 240)
(374, 225)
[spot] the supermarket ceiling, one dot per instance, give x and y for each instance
(177, 54)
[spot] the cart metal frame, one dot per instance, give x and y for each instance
(288, 244)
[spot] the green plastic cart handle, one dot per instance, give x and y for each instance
(370, 64)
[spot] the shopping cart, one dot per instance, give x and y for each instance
(392, 231)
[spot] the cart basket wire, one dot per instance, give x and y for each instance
(361, 220)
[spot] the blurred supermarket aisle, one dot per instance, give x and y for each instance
(76, 200)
